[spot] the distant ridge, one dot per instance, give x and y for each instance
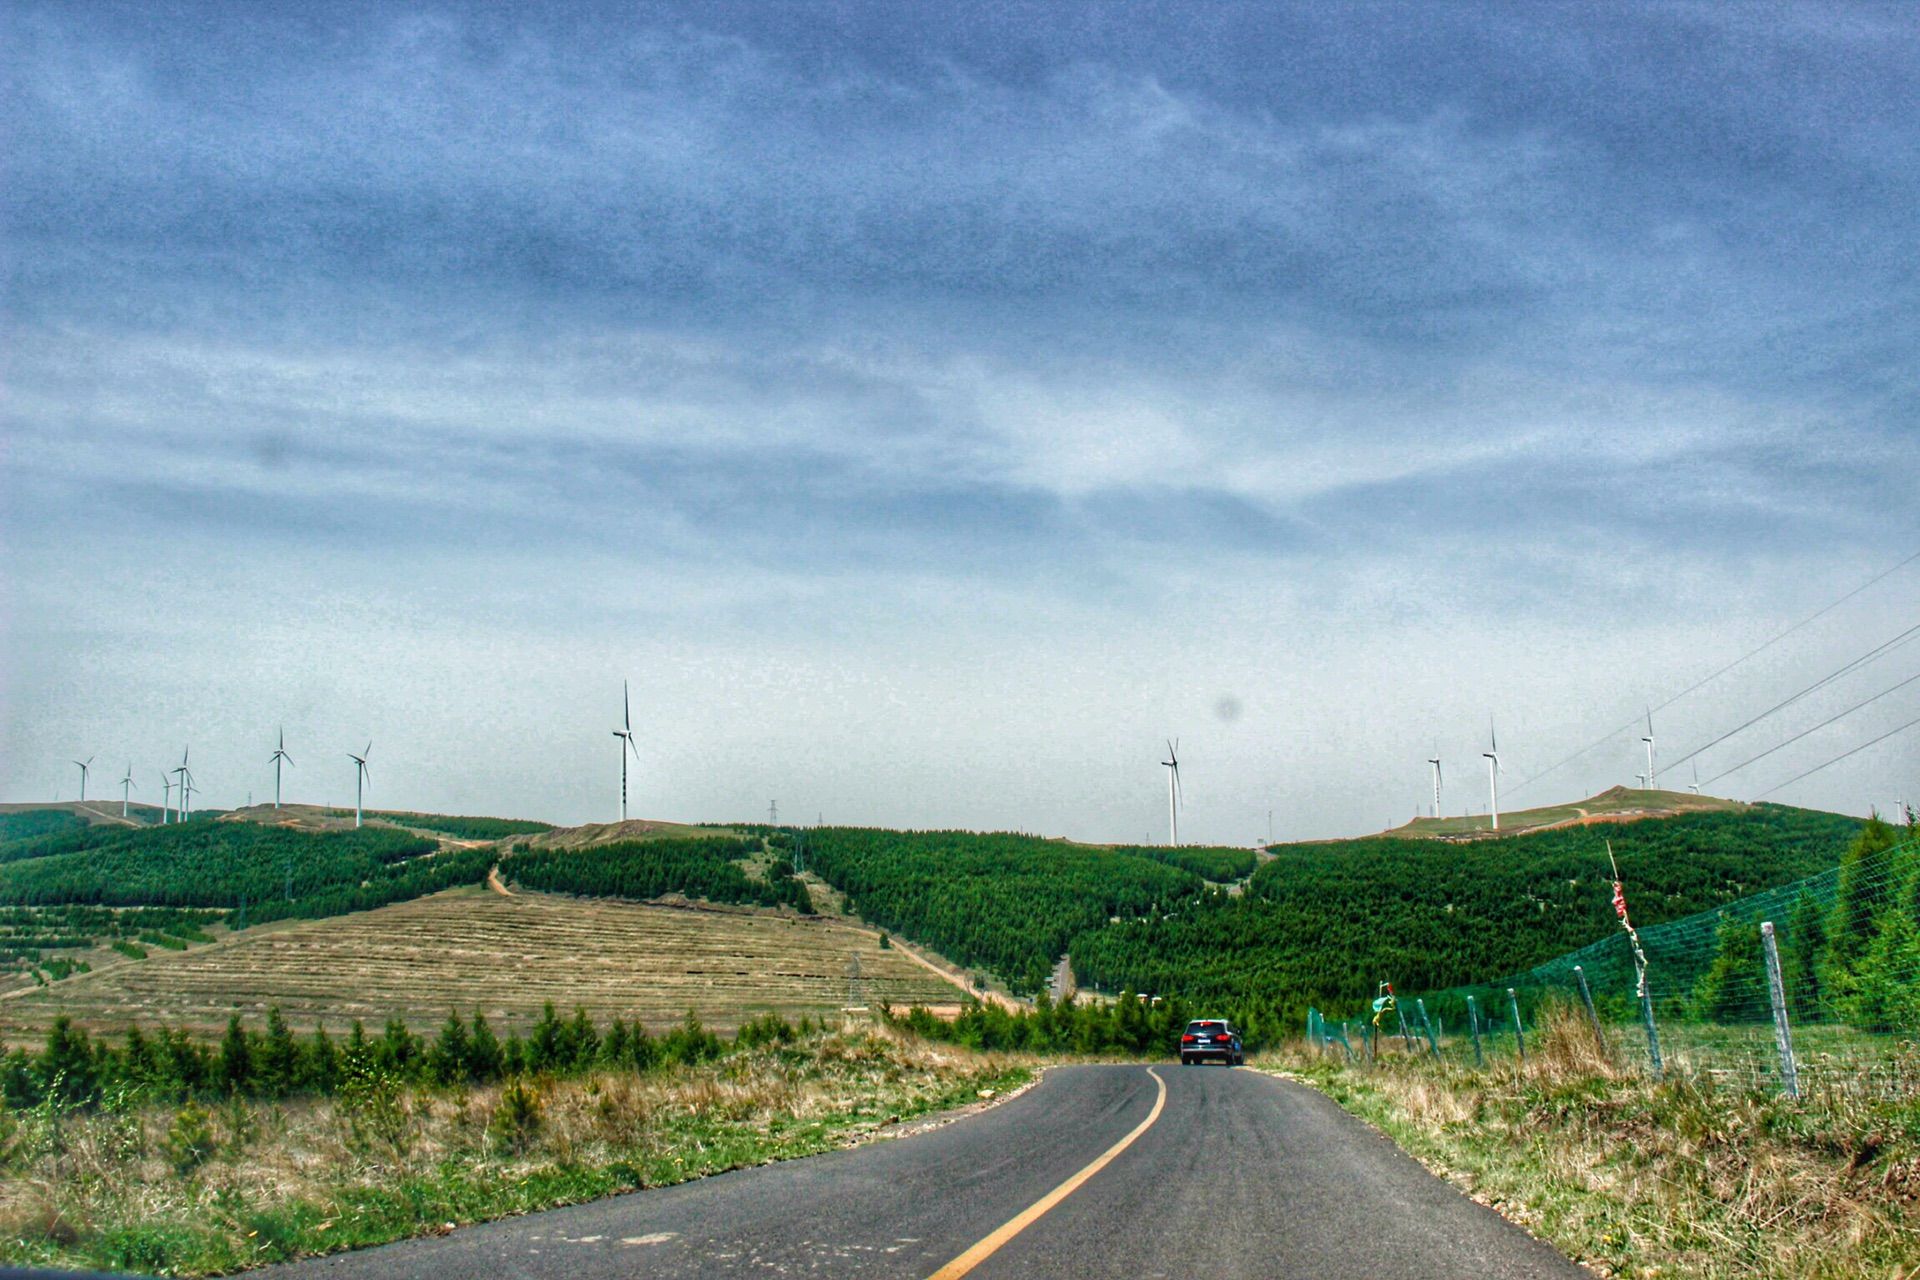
(1616, 804)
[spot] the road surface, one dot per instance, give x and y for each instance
(1101, 1171)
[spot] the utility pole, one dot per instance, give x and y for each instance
(773, 813)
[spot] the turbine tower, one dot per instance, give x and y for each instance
(359, 777)
(280, 754)
(1493, 773)
(1172, 764)
(1435, 762)
(1653, 782)
(625, 734)
(1694, 786)
(166, 800)
(83, 776)
(185, 784)
(126, 785)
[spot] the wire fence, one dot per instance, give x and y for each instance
(1811, 986)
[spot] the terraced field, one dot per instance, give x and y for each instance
(469, 949)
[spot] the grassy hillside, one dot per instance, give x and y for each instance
(1618, 804)
(476, 951)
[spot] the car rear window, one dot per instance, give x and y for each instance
(1206, 1028)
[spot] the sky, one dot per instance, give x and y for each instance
(929, 411)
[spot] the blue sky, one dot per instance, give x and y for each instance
(930, 412)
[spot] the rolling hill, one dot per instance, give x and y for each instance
(1424, 906)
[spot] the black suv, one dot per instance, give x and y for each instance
(1210, 1038)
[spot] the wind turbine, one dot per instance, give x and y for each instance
(625, 734)
(1653, 782)
(1172, 764)
(126, 785)
(185, 785)
(279, 754)
(359, 777)
(1694, 786)
(1493, 773)
(166, 800)
(1435, 762)
(83, 776)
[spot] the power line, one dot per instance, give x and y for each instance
(1875, 652)
(1837, 759)
(1708, 679)
(1816, 728)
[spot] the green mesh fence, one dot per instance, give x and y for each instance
(1846, 959)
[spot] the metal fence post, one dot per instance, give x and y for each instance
(1406, 1036)
(1586, 998)
(1473, 1022)
(1777, 992)
(1519, 1037)
(1653, 1032)
(1433, 1045)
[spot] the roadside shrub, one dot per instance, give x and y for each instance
(190, 1140)
(517, 1119)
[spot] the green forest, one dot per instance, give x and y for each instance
(699, 867)
(270, 872)
(1323, 923)
(1218, 864)
(1005, 903)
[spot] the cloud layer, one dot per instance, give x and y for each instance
(1003, 386)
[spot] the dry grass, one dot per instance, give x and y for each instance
(469, 949)
(1683, 1177)
(280, 1181)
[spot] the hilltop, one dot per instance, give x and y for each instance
(1616, 804)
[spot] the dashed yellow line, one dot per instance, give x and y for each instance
(980, 1252)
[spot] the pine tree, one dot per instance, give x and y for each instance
(1730, 989)
(1865, 886)
(66, 1066)
(543, 1047)
(484, 1052)
(450, 1059)
(581, 1043)
(236, 1057)
(278, 1068)
(320, 1069)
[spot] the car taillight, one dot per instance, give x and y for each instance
(1188, 1039)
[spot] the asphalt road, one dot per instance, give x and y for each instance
(1238, 1175)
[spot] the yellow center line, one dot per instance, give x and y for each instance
(980, 1252)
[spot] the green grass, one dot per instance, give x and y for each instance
(98, 1192)
(1701, 1174)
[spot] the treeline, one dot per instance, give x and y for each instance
(1215, 863)
(1323, 923)
(32, 824)
(1849, 945)
(73, 1069)
(462, 827)
(267, 872)
(1128, 1025)
(697, 866)
(27, 932)
(1009, 904)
